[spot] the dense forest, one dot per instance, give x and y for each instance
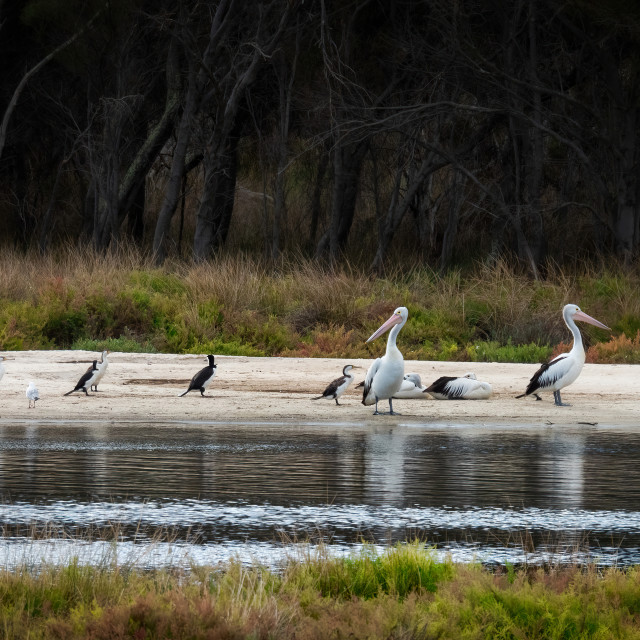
(369, 130)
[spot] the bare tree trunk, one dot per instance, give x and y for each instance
(216, 205)
(348, 159)
(534, 149)
(455, 204)
(285, 93)
(8, 112)
(198, 80)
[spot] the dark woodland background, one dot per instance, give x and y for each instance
(435, 131)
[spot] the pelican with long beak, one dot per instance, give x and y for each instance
(385, 375)
(565, 368)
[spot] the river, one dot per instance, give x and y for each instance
(175, 494)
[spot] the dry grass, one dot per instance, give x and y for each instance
(401, 593)
(241, 305)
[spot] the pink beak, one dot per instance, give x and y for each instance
(581, 315)
(396, 318)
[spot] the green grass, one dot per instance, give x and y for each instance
(238, 306)
(403, 592)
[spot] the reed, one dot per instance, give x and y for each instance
(402, 592)
(240, 305)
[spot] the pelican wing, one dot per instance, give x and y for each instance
(439, 388)
(368, 381)
(548, 374)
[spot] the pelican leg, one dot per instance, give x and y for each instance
(376, 412)
(558, 399)
(391, 411)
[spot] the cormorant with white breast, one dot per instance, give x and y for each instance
(87, 379)
(202, 379)
(102, 369)
(565, 368)
(338, 386)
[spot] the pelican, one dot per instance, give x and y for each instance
(411, 387)
(468, 387)
(385, 375)
(32, 394)
(565, 368)
(86, 380)
(202, 379)
(338, 386)
(102, 369)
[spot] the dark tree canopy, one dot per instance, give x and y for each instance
(368, 130)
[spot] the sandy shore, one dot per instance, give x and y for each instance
(144, 387)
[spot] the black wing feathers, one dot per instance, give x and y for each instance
(439, 385)
(535, 382)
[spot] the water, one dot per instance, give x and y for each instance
(173, 494)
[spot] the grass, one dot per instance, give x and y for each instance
(240, 306)
(402, 592)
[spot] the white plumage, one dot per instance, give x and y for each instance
(338, 386)
(565, 368)
(32, 394)
(466, 387)
(385, 375)
(102, 369)
(411, 387)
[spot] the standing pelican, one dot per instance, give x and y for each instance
(336, 388)
(32, 394)
(385, 375)
(102, 369)
(202, 379)
(468, 387)
(565, 368)
(411, 387)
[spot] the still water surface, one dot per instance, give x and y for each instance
(194, 492)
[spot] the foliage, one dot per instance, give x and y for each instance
(399, 593)
(122, 302)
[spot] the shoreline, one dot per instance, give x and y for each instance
(142, 387)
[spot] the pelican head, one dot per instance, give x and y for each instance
(415, 378)
(471, 376)
(399, 316)
(573, 312)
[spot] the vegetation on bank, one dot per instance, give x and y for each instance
(240, 306)
(402, 593)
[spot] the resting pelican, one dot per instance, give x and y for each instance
(385, 375)
(202, 379)
(411, 387)
(468, 387)
(339, 385)
(565, 368)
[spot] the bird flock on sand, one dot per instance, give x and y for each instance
(386, 378)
